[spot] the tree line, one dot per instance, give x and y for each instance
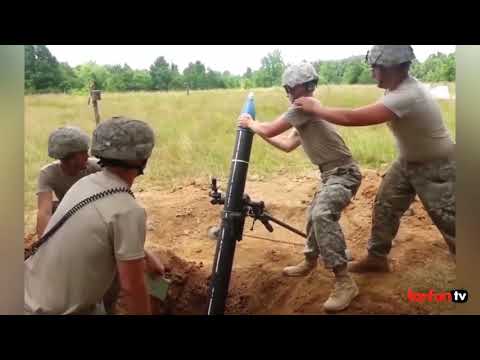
(44, 74)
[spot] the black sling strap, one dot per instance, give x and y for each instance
(34, 248)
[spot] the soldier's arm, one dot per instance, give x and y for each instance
(285, 143)
(132, 282)
(264, 129)
(367, 115)
(153, 264)
(44, 211)
(128, 229)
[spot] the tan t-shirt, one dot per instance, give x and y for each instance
(53, 179)
(419, 130)
(320, 139)
(73, 270)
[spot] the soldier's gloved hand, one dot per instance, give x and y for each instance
(153, 264)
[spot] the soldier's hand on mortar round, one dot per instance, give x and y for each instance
(307, 104)
(244, 120)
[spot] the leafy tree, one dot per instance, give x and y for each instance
(161, 74)
(43, 73)
(270, 73)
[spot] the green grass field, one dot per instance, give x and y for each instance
(195, 133)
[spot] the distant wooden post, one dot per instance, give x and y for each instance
(95, 96)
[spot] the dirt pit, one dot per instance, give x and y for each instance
(178, 222)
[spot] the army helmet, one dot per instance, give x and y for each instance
(122, 138)
(299, 74)
(389, 55)
(67, 140)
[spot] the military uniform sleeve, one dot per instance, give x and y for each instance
(129, 234)
(44, 182)
(296, 117)
(400, 103)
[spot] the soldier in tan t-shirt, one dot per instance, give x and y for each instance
(341, 178)
(425, 165)
(73, 270)
(69, 145)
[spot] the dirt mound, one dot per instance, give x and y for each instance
(188, 286)
(179, 218)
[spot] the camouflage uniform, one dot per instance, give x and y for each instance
(340, 175)
(78, 264)
(325, 236)
(431, 177)
(124, 132)
(434, 182)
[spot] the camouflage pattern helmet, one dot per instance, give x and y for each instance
(122, 138)
(299, 74)
(67, 140)
(389, 55)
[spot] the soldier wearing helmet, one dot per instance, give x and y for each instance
(72, 271)
(341, 179)
(69, 146)
(425, 165)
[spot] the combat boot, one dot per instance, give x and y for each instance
(344, 291)
(302, 269)
(370, 263)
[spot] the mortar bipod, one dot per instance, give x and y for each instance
(253, 209)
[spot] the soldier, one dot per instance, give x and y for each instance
(69, 145)
(74, 268)
(425, 165)
(341, 178)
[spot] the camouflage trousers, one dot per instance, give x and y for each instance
(434, 182)
(324, 234)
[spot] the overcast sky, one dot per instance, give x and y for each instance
(234, 58)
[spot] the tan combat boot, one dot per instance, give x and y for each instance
(370, 263)
(302, 269)
(344, 291)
